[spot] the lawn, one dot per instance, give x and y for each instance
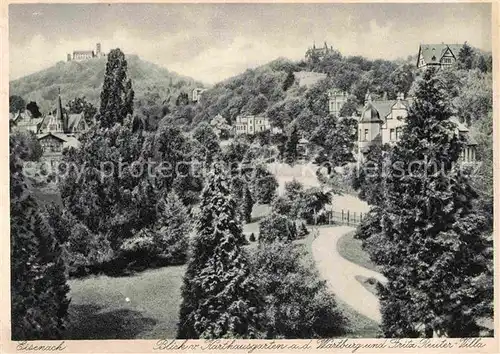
(351, 249)
(99, 309)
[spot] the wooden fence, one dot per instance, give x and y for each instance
(344, 217)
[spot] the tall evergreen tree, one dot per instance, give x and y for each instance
(173, 229)
(105, 180)
(466, 57)
(38, 281)
(289, 80)
(117, 95)
(481, 63)
(426, 233)
(247, 204)
(291, 153)
(220, 298)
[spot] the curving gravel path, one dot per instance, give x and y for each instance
(340, 273)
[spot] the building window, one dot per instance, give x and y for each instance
(366, 135)
(392, 135)
(398, 133)
(447, 60)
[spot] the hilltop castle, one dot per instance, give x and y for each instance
(79, 55)
(318, 53)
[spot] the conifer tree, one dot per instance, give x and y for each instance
(220, 298)
(38, 280)
(426, 233)
(247, 205)
(291, 153)
(289, 80)
(173, 229)
(465, 57)
(117, 95)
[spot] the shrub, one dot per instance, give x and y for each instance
(303, 231)
(252, 237)
(141, 249)
(298, 303)
(87, 252)
(276, 227)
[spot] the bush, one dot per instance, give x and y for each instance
(276, 227)
(265, 185)
(303, 231)
(88, 253)
(252, 237)
(141, 249)
(298, 304)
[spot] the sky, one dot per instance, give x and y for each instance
(211, 42)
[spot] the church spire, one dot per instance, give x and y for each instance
(59, 112)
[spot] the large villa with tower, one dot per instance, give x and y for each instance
(381, 122)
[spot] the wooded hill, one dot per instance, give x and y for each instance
(151, 83)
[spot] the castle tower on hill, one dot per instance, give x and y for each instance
(318, 53)
(79, 55)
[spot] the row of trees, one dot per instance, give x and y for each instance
(425, 228)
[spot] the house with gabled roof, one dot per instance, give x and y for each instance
(63, 123)
(58, 131)
(437, 55)
(24, 121)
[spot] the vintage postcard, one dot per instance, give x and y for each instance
(249, 177)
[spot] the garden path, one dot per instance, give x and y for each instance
(340, 273)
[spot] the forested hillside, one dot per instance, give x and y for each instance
(152, 84)
(271, 89)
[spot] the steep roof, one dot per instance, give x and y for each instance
(432, 53)
(384, 107)
(73, 120)
(59, 137)
(68, 141)
(370, 114)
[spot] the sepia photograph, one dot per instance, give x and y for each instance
(268, 171)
